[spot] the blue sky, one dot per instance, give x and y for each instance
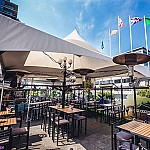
(92, 18)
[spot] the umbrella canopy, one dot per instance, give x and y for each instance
(16, 36)
(23, 46)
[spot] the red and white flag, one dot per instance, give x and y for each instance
(120, 22)
(113, 32)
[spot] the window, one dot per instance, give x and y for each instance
(117, 81)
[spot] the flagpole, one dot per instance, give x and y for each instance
(146, 37)
(101, 46)
(119, 35)
(110, 42)
(130, 32)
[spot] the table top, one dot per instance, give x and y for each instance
(67, 109)
(108, 105)
(130, 125)
(37, 103)
(3, 113)
(7, 122)
(137, 128)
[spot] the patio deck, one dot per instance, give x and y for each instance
(97, 138)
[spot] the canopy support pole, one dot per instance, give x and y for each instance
(29, 101)
(2, 91)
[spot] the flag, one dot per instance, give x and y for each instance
(147, 20)
(102, 46)
(135, 20)
(113, 32)
(120, 22)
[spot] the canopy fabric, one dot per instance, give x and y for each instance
(75, 38)
(16, 36)
(23, 46)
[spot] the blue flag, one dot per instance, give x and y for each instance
(102, 46)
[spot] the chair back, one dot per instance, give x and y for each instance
(141, 147)
(6, 135)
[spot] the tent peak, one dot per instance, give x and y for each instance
(75, 38)
(74, 35)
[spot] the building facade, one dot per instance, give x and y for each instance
(9, 9)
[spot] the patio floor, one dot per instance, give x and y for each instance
(97, 138)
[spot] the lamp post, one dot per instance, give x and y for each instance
(63, 65)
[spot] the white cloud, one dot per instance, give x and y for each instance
(50, 5)
(55, 12)
(84, 26)
(86, 3)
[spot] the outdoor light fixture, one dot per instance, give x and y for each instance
(72, 78)
(64, 66)
(63, 62)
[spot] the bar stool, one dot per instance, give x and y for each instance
(100, 111)
(127, 145)
(114, 113)
(79, 119)
(60, 125)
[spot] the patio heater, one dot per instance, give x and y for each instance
(83, 72)
(64, 66)
(130, 60)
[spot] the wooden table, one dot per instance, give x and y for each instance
(68, 111)
(4, 113)
(7, 122)
(137, 128)
(38, 103)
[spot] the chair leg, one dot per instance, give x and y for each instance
(27, 141)
(85, 125)
(53, 132)
(45, 123)
(78, 127)
(57, 135)
(67, 132)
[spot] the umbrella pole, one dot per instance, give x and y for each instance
(29, 100)
(135, 102)
(2, 91)
(121, 103)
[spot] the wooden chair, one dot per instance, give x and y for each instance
(6, 139)
(22, 131)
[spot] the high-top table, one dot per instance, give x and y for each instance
(5, 113)
(137, 128)
(7, 122)
(68, 111)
